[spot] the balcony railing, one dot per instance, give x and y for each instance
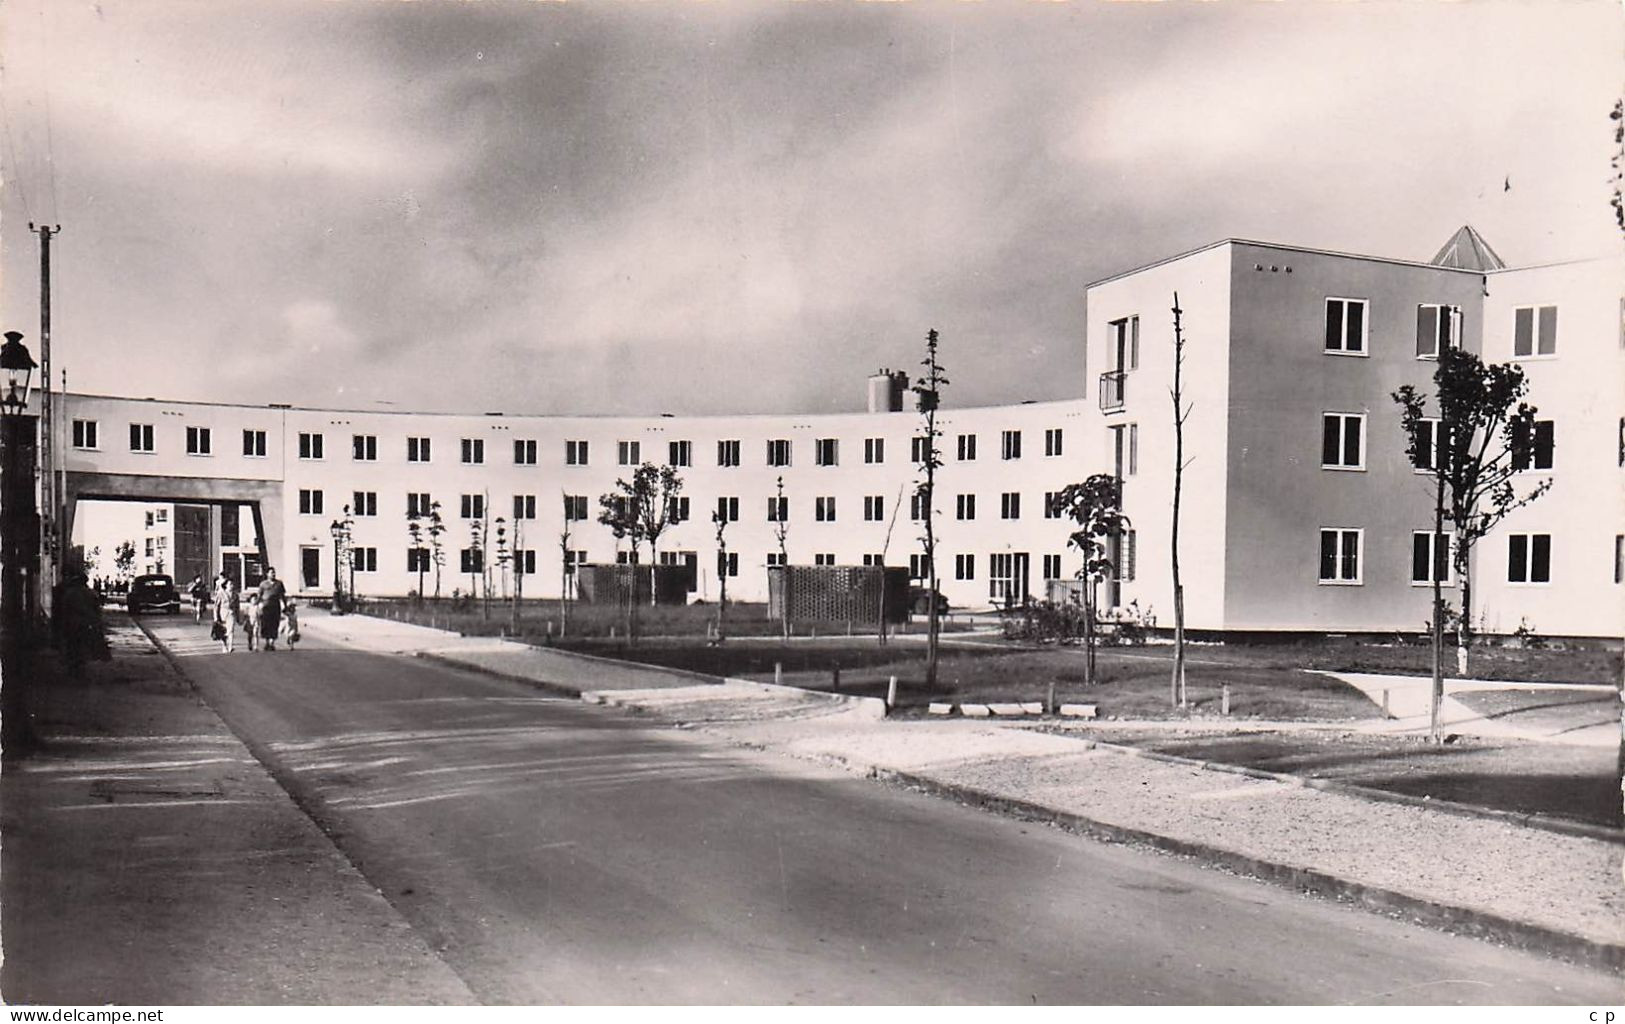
(1113, 384)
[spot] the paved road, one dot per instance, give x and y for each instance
(557, 852)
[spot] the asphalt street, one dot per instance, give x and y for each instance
(554, 852)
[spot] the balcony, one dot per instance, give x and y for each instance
(1113, 385)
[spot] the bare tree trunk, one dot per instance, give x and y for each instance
(1177, 682)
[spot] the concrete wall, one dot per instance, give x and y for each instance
(1281, 382)
(1582, 390)
(1202, 280)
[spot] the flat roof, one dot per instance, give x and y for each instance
(1287, 248)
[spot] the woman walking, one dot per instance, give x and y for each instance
(227, 606)
(272, 595)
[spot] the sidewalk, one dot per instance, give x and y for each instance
(1494, 878)
(148, 858)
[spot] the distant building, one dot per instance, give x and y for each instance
(1302, 511)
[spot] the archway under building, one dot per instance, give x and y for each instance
(188, 526)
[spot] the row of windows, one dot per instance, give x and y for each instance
(1342, 444)
(1438, 326)
(1529, 557)
(364, 504)
(364, 447)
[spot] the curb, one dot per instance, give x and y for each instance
(1474, 923)
(1534, 819)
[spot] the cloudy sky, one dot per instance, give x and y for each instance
(599, 207)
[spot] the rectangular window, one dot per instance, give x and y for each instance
(874, 450)
(471, 560)
(84, 434)
(364, 559)
(575, 507)
(1534, 331)
(1340, 556)
(918, 449)
(473, 451)
(231, 526)
(575, 453)
(1529, 558)
(916, 507)
(1123, 554)
(1437, 328)
(728, 509)
(727, 453)
(418, 560)
(1052, 567)
(1012, 444)
(826, 451)
(473, 506)
(1342, 441)
(824, 559)
(774, 558)
(418, 504)
(1010, 505)
(364, 448)
(875, 560)
(964, 567)
(824, 509)
(967, 447)
(628, 453)
(141, 437)
(677, 509)
(1001, 571)
(524, 506)
(524, 452)
(1125, 339)
(1345, 326)
(573, 559)
(1425, 457)
(1533, 449)
(417, 449)
(312, 447)
(680, 453)
(778, 453)
(524, 561)
(965, 506)
(254, 444)
(1133, 448)
(728, 565)
(1619, 557)
(310, 502)
(874, 508)
(1052, 442)
(1430, 561)
(199, 441)
(778, 510)
(1052, 505)
(919, 567)
(365, 503)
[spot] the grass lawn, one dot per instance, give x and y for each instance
(1510, 775)
(542, 619)
(1128, 686)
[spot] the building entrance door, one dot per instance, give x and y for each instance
(310, 568)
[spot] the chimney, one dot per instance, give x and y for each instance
(886, 390)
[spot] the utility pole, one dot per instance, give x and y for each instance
(50, 519)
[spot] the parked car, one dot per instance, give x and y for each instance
(154, 593)
(919, 601)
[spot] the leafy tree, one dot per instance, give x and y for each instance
(929, 388)
(1096, 505)
(437, 549)
(476, 545)
(639, 510)
(1477, 444)
(414, 534)
(124, 559)
(721, 523)
(566, 570)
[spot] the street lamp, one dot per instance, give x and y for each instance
(19, 537)
(19, 366)
(341, 542)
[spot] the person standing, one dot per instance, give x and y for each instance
(200, 597)
(226, 610)
(272, 596)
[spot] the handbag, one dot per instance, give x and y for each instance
(218, 631)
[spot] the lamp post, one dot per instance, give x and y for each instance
(341, 544)
(19, 534)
